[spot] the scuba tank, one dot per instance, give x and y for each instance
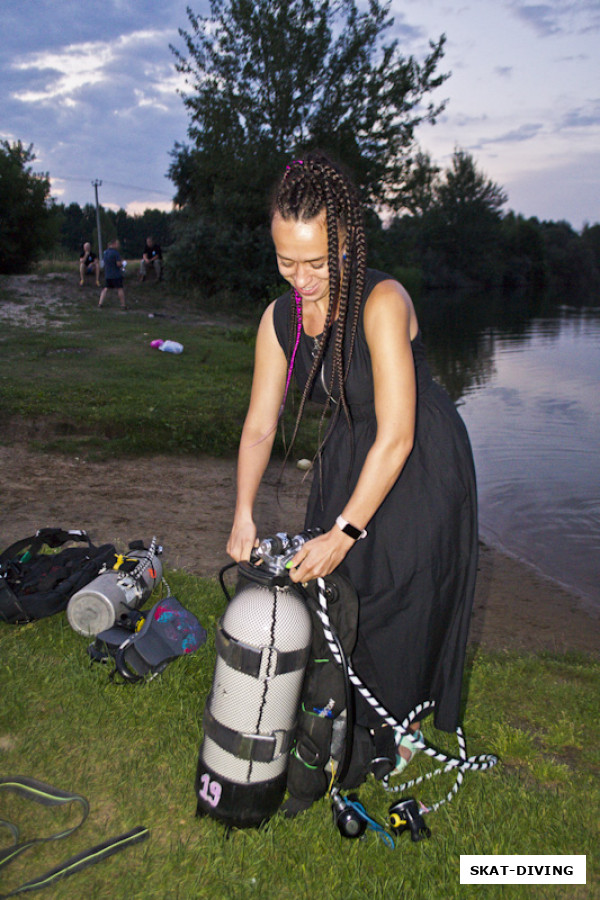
(109, 599)
(252, 718)
(263, 642)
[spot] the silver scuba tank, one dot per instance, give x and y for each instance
(104, 601)
(263, 642)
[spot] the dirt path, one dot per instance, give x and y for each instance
(188, 504)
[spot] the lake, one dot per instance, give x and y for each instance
(529, 392)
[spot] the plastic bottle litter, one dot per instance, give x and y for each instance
(167, 346)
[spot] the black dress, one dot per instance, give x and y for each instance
(415, 571)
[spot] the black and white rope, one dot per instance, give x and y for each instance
(145, 562)
(462, 763)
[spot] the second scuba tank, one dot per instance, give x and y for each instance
(112, 594)
(263, 642)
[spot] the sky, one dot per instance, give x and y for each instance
(93, 87)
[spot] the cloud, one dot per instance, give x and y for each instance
(541, 17)
(70, 71)
(405, 33)
(100, 109)
(57, 75)
(557, 17)
(137, 207)
(581, 117)
(524, 132)
(53, 24)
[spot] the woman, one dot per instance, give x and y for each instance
(394, 483)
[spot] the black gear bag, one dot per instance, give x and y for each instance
(324, 694)
(36, 584)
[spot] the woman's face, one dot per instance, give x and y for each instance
(302, 258)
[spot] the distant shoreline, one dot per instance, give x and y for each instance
(517, 607)
(589, 604)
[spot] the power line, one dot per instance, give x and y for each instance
(129, 187)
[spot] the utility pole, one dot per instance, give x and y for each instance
(96, 185)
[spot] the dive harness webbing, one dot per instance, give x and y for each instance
(461, 764)
(52, 796)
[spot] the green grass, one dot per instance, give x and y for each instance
(132, 750)
(87, 382)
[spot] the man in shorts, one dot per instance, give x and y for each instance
(113, 271)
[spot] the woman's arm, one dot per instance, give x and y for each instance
(388, 317)
(258, 433)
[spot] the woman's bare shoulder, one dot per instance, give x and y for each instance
(390, 301)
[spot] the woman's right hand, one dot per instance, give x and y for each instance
(241, 541)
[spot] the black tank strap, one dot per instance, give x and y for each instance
(255, 747)
(265, 662)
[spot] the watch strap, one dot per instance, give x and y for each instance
(355, 533)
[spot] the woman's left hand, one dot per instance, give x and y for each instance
(321, 556)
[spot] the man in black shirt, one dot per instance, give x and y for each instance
(88, 264)
(151, 258)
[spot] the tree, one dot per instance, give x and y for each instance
(421, 185)
(27, 222)
(462, 227)
(525, 268)
(591, 238)
(269, 79)
(574, 278)
(465, 188)
(77, 225)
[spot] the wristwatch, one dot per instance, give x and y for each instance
(355, 533)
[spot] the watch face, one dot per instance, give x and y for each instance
(353, 532)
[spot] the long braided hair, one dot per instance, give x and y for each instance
(307, 187)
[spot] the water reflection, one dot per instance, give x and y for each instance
(527, 388)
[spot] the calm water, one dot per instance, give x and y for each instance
(530, 396)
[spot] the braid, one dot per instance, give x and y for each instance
(308, 187)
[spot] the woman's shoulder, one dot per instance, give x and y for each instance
(387, 298)
(381, 288)
(373, 277)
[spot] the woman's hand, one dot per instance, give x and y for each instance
(319, 557)
(242, 540)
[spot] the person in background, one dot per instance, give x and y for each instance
(394, 481)
(88, 264)
(151, 258)
(113, 272)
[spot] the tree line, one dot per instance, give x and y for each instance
(454, 236)
(270, 79)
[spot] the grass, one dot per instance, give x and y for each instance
(132, 750)
(86, 382)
